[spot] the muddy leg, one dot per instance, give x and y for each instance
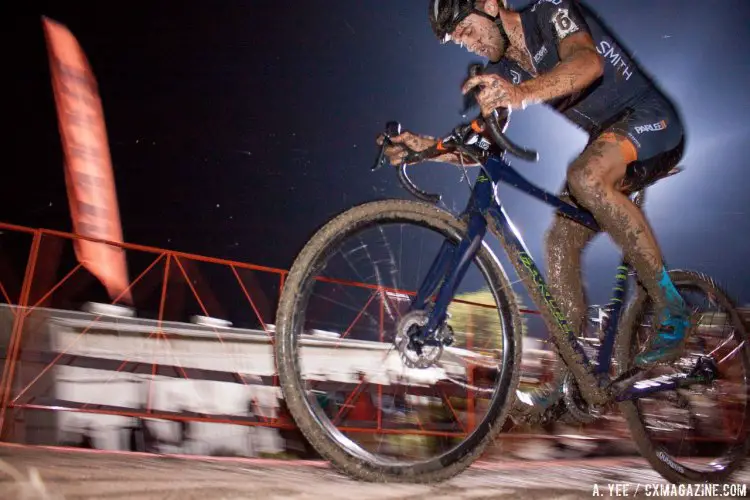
(564, 244)
(592, 179)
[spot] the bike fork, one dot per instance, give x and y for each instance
(450, 267)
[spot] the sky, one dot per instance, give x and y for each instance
(237, 129)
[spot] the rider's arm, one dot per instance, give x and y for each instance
(507, 68)
(455, 159)
(511, 71)
(416, 142)
(580, 64)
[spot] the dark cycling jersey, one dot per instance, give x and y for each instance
(623, 100)
(545, 24)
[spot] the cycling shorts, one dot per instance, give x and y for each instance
(656, 138)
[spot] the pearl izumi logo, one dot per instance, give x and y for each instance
(653, 127)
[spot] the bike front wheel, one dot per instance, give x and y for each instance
(699, 433)
(357, 392)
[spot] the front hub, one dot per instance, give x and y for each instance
(416, 350)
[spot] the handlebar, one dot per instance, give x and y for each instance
(393, 129)
(414, 190)
(496, 131)
(491, 123)
(506, 144)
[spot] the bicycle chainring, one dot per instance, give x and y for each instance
(577, 407)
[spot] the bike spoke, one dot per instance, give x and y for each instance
(410, 404)
(690, 424)
(733, 353)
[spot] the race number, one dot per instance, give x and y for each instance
(564, 25)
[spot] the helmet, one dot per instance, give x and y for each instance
(445, 15)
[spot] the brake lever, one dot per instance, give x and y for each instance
(496, 132)
(391, 129)
(379, 163)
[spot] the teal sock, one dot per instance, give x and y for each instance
(675, 305)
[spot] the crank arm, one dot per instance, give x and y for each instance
(649, 386)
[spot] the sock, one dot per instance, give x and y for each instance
(675, 305)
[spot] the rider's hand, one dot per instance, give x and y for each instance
(496, 92)
(396, 154)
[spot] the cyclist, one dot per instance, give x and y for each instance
(558, 52)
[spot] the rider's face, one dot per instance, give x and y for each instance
(480, 36)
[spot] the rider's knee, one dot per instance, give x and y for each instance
(585, 182)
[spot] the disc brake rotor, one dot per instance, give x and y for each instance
(429, 355)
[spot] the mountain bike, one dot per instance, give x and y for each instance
(351, 375)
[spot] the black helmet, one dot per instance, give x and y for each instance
(445, 15)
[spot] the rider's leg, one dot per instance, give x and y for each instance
(594, 179)
(564, 244)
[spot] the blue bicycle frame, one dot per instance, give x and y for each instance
(452, 262)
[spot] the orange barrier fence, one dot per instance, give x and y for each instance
(53, 279)
(46, 366)
(53, 354)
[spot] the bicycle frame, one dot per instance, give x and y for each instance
(452, 262)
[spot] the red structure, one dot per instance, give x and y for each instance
(173, 284)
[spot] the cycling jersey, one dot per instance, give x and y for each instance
(623, 100)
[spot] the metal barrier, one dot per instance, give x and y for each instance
(38, 291)
(42, 368)
(50, 349)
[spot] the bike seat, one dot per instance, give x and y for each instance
(673, 171)
(640, 193)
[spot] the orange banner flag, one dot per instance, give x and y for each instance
(88, 165)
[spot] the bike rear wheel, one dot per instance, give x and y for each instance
(362, 444)
(684, 443)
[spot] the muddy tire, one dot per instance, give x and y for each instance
(656, 455)
(291, 318)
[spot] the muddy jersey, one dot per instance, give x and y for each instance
(545, 24)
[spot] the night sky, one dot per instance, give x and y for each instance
(238, 128)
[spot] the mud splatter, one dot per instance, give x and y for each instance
(588, 384)
(616, 213)
(564, 244)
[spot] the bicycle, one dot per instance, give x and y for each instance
(421, 337)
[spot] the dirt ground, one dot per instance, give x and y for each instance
(48, 473)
